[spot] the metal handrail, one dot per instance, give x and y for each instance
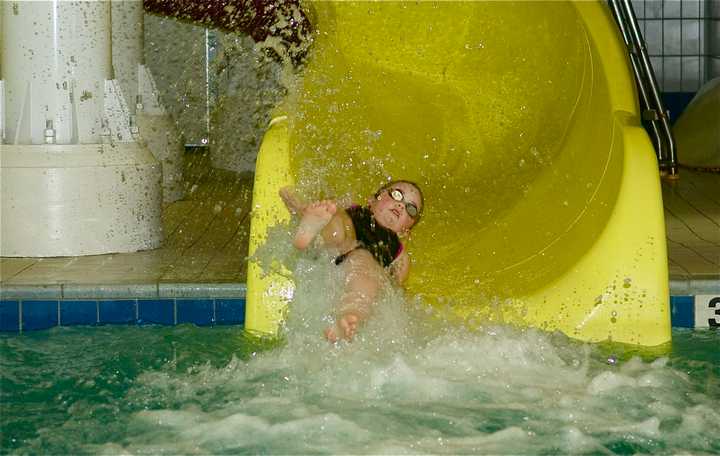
(653, 110)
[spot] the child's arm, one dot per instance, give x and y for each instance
(292, 202)
(400, 268)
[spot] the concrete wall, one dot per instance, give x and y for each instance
(175, 53)
(246, 86)
(220, 88)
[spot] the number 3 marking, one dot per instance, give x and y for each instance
(714, 304)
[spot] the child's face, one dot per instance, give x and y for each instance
(393, 214)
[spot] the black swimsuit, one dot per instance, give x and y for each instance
(381, 242)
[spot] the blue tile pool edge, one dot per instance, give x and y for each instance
(20, 315)
(209, 305)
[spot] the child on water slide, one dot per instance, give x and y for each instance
(367, 244)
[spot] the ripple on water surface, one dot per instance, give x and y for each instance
(402, 387)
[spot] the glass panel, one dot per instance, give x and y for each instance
(672, 75)
(657, 64)
(671, 37)
(691, 75)
(639, 8)
(653, 36)
(671, 9)
(690, 9)
(653, 9)
(691, 37)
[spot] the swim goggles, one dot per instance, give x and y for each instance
(410, 208)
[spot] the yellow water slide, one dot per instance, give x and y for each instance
(520, 122)
(697, 130)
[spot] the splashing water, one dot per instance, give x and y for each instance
(405, 385)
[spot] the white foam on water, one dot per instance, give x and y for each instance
(406, 386)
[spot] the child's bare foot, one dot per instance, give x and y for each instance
(294, 205)
(314, 218)
(345, 328)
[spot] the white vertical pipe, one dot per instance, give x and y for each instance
(127, 46)
(2, 82)
(55, 57)
(206, 139)
(2, 40)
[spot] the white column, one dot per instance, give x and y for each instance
(2, 82)
(74, 180)
(55, 57)
(1, 45)
(127, 46)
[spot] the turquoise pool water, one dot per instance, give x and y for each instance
(159, 390)
(409, 384)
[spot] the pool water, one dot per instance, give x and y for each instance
(139, 390)
(408, 384)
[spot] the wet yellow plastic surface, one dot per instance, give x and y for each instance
(269, 290)
(697, 131)
(519, 121)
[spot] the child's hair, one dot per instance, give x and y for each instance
(417, 187)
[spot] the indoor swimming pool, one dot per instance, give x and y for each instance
(408, 384)
(191, 390)
(565, 288)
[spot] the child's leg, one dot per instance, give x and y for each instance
(363, 281)
(315, 217)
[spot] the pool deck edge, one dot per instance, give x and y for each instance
(678, 287)
(123, 291)
(695, 286)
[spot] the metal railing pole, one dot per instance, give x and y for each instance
(647, 111)
(670, 161)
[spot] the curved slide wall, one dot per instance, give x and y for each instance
(519, 120)
(697, 131)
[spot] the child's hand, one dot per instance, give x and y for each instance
(345, 328)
